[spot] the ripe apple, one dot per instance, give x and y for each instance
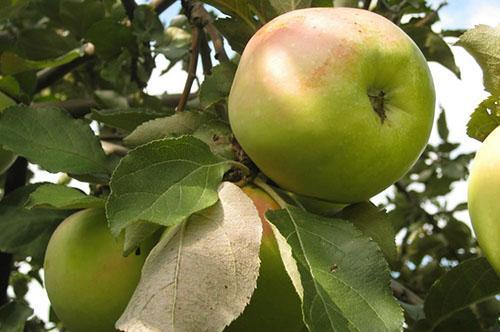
(484, 198)
(275, 305)
(332, 103)
(88, 281)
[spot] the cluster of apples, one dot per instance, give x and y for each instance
(331, 104)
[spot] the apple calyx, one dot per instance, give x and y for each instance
(377, 98)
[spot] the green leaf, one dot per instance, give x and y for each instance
(11, 8)
(216, 87)
(374, 223)
(485, 118)
(78, 16)
(13, 316)
(11, 63)
(164, 182)
(463, 320)
(203, 125)
(109, 37)
(442, 126)
(483, 43)
(136, 234)
(127, 119)
(236, 32)
(470, 282)
(175, 45)
(344, 276)
(239, 8)
(26, 232)
(52, 139)
(146, 24)
(433, 47)
(41, 44)
(285, 6)
(59, 197)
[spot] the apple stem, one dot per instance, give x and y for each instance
(261, 183)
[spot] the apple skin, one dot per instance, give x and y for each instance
(275, 305)
(300, 108)
(484, 198)
(88, 281)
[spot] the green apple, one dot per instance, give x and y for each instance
(7, 158)
(332, 103)
(484, 198)
(275, 305)
(88, 281)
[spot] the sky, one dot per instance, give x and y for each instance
(458, 97)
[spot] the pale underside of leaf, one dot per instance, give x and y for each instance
(202, 273)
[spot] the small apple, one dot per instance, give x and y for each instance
(88, 281)
(484, 198)
(275, 305)
(332, 103)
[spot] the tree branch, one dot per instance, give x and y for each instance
(16, 178)
(129, 6)
(161, 5)
(47, 77)
(366, 4)
(206, 59)
(404, 294)
(193, 64)
(80, 107)
(202, 18)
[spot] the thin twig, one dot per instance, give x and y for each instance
(193, 64)
(47, 77)
(404, 294)
(129, 6)
(203, 19)
(161, 5)
(206, 59)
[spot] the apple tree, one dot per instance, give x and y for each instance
(243, 203)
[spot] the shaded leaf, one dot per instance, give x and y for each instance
(283, 6)
(344, 276)
(236, 32)
(26, 232)
(442, 126)
(78, 16)
(127, 119)
(164, 182)
(433, 47)
(374, 223)
(136, 234)
(471, 281)
(11, 63)
(216, 87)
(41, 44)
(203, 125)
(239, 8)
(117, 37)
(13, 316)
(59, 197)
(202, 273)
